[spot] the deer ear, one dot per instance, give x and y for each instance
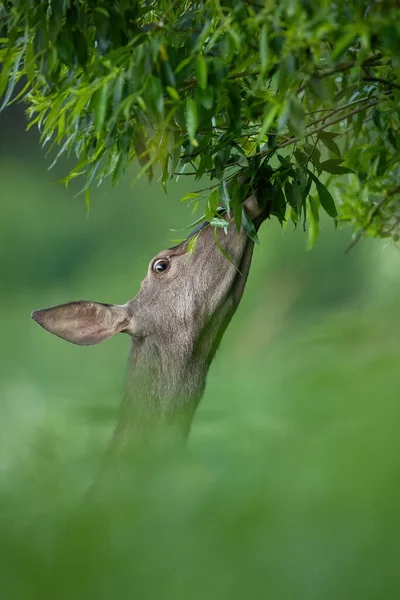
(83, 323)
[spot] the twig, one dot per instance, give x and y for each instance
(382, 81)
(333, 111)
(372, 61)
(187, 85)
(387, 196)
(336, 110)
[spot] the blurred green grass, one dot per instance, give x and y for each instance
(289, 485)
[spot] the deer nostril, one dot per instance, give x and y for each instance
(36, 315)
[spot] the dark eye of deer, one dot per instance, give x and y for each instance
(160, 265)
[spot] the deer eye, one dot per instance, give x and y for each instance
(160, 265)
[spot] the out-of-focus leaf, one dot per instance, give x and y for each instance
(173, 93)
(100, 106)
(312, 223)
(342, 44)
(191, 120)
(333, 166)
(263, 45)
(268, 120)
(327, 138)
(317, 86)
(295, 117)
(11, 81)
(201, 71)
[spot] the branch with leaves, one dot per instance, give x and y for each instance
(300, 100)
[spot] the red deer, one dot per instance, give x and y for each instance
(175, 323)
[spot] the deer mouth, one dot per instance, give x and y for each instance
(256, 212)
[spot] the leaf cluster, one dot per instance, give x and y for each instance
(297, 100)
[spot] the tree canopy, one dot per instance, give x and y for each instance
(297, 100)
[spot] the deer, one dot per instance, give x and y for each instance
(175, 323)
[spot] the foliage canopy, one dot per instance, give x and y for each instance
(297, 100)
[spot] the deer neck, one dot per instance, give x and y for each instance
(162, 391)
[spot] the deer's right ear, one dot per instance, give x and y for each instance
(83, 323)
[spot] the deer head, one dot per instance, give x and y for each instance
(176, 320)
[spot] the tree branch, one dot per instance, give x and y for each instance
(391, 84)
(372, 61)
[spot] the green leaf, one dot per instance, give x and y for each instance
(235, 192)
(184, 63)
(173, 93)
(279, 204)
(191, 247)
(295, 117)
(333, 166)
(312, 223)
(189, 196)
(138, 140)
(327, 138)
(301, 157)
(194, 224)
(224, 196)
(296, 197)
(201, 71)
(272, 112)
(212, 204)
(11, 81)
(249, 228)
(205, 97)
(326, 199)
(219, 222)
(117, 95)
(191, 120)
(318, 87)
(342, 44)
(314, 206)
(376, 117)
(100, 106)
(288, 193)
(263, 48)
(29, 62)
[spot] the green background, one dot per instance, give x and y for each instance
(289, 485)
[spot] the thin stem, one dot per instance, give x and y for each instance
(382, 81)
(372, 61)
(333, 111)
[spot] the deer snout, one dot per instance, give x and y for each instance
(36, 315)
(256, 211)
